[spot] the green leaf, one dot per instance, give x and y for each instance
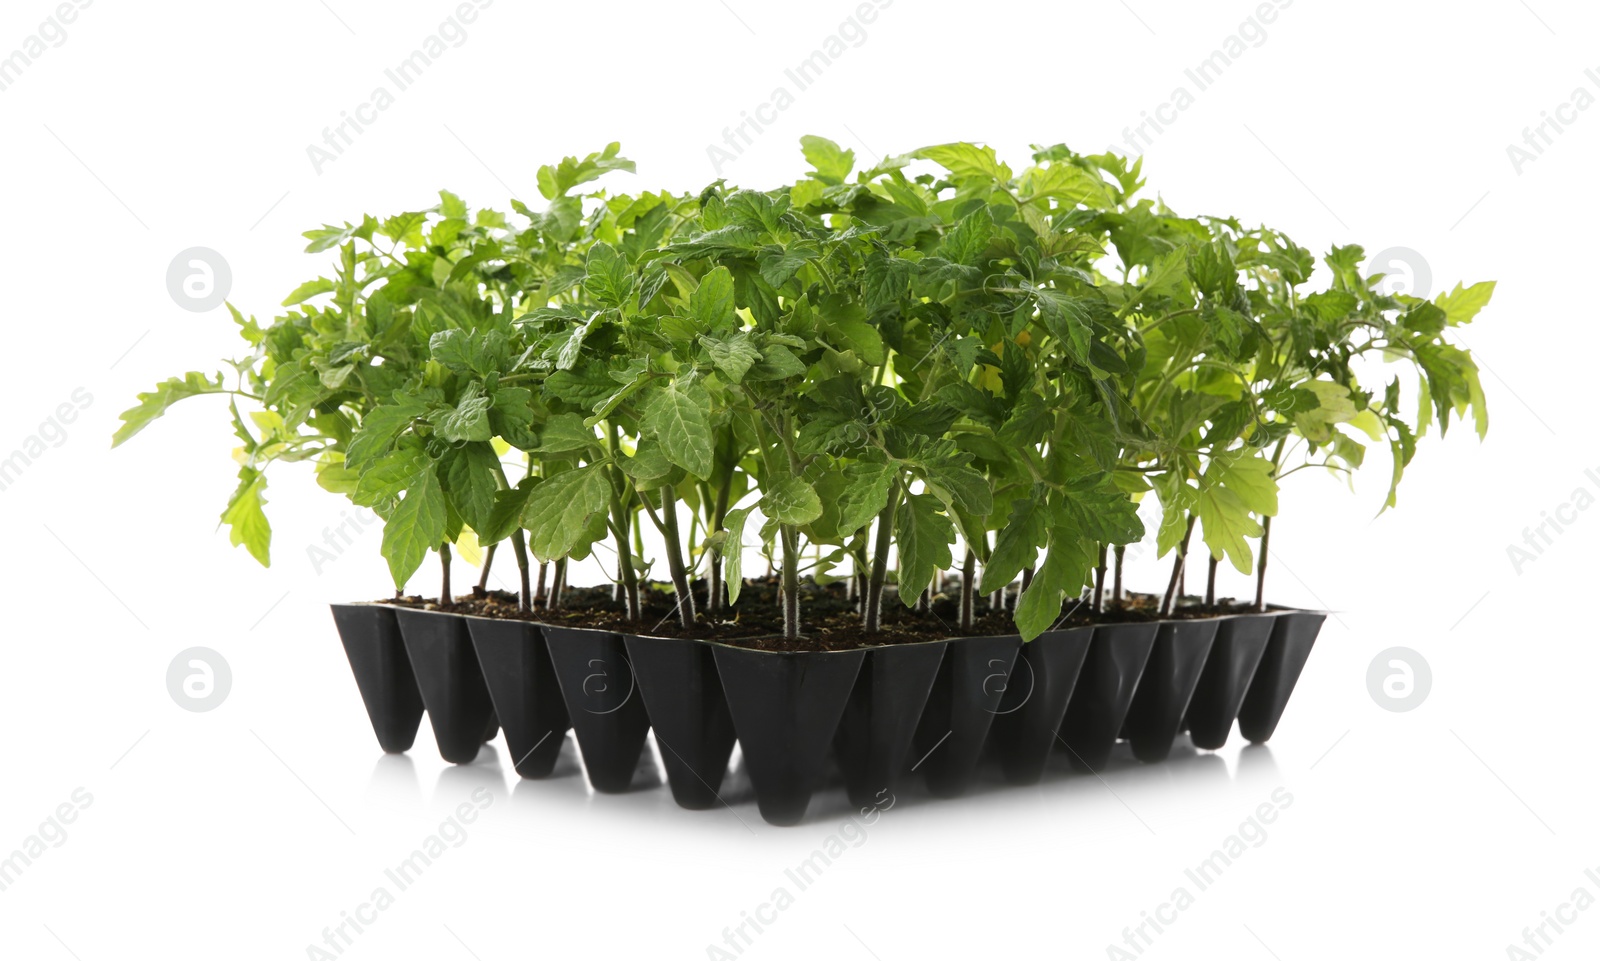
(1017, 544)
(1234, 486)
(829, 164)
(969, 238)
(1069, 184)
(557, 180)
(308, 290)
(648, 466)
(415, 527)
(790, 500)
(564, 433)
(469, 477)
(379, 428)
(945, 469)
(677, 418)
(1225, 522)
(865, 495)
(923, 536)
(1462, 304)
(247, 522)
(155, 403)
(1061, 575)
(849, 331)
(733, 552)
(966, 161)
(779, 264)
(467, 421)
(509, 506)
(732, 357)
(572, 348)
(607, 275)
(712, 303)
(560, 509)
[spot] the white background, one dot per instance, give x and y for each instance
(243, 832)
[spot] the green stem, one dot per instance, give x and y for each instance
(872, 606)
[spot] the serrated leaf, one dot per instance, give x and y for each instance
(555, 181)
(467, 421)
(864, 496)
(416, 526)
(560, 508)
(506, 517)
(923, 536)
(564, 433)
(153, 404)
(308, 290)
(1462, 304)
(470, 480)
(732, 357)
(676, 416)
(1017, 544)
(1061, 575)
(790, 500)
(379, 428)
(967, 161)
(733, 552)
(246, 520)
(1225, 522)
(830, 164)
(607, 276)
(712, 303)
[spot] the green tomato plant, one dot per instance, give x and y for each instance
(934, 363)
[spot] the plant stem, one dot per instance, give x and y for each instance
(538, 595)
(872, 605)
(1116, 583)
(791, 583)
(520, 550)
(1099, 582)
(967, 588)
(680, 575)
(445, 598)
(1211, 583)
(483, 578)
(1170, 599)
(719, 513)
(1261, 565)
(1266, 538)
(525, 600)
(558, 577)
(621, 497)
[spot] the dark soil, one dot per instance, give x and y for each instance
(831, 620)
(1143, 608)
